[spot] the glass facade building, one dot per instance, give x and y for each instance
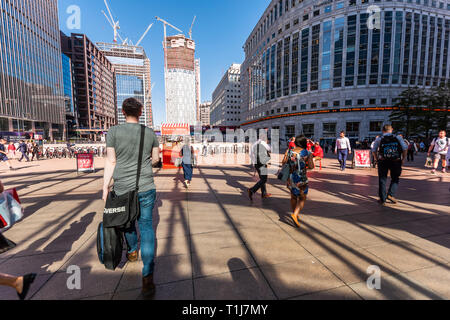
(31, 77)
(330, 64)
(67, 83)
(133, 78)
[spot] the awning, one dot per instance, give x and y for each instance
(175, 129)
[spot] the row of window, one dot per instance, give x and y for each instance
(292, 65)
(272, 16)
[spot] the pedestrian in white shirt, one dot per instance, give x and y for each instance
(440, 146)
(343, 150)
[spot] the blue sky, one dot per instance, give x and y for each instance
(221, 28)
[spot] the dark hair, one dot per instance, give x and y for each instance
(301, 142)
(387, 128)
(132, 107)
(342, 132)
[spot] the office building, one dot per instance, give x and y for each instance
(226, 104)
(93, 85)
(31, 77)
(133, 77)
(319, 67)
(205, 113)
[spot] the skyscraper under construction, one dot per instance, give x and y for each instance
(181, 87)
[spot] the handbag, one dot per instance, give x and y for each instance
(10, 211)
(285, 170)
(122, 211)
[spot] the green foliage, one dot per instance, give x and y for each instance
(411, 117)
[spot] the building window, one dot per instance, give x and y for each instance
(308, 130)
(360, 102)
(305, 17)
(397, 47)
(387, 47)
(363, 49)
(313, 105)
(294, 76)
(336, 104)
(294, 108)
(338, 51)
(375, 126)
(348, 103)
(290, 131)
(304, 61)
(303, 107)
(316, 13)
(324, 104)
(351, 52)
(339, 5)
(287, 46)
(326, 55)
(315, 53)
(329, 130)
(373, 101)
(352, 129)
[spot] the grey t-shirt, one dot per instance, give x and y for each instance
(125, 140)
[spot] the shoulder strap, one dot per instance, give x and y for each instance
(141, 152)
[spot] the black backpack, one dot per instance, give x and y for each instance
(390, 148)
(109, 246)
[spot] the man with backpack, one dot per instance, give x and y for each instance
(440, 147)
(391, 152)
(260, 155)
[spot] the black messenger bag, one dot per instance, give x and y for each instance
(123, 211)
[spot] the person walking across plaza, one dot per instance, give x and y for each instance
(300, 160)
(23, 148)
(122, 163)
(35, 151)
(187, 153)
(391, 152)
(440, 147)
(11, 151)
(343, 150)
(260, 156)
(4, 154)
(412, 149)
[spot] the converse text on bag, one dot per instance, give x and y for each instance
(114, 210)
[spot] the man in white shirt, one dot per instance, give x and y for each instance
(260, 156)
(440, 147)
(343, 149)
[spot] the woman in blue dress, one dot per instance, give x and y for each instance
(300, 160)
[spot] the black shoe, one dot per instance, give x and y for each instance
(250, 194)
(27, 281)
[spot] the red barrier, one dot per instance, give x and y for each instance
(362, 159)
(85, 162)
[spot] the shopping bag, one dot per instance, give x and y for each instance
(10, 211)
(14, 194)
(429, 163)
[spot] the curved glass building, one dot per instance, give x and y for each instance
(321, 66)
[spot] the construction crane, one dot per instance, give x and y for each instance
(115, 25)
(143, 36)
(192, 26)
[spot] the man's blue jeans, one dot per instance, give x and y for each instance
(147, 202)
(384, 167)
(343, 155)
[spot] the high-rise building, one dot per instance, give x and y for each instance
(205, 113)
(226, 104)
(198, 88)
(181, 97)
(71, 113)
(319, 67)
(94, 86)
(133, 78)
(31, 81)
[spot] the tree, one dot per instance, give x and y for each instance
(408, 113)
(439, 98)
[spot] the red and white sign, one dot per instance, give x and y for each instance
(85, 162)
(362, 159)
(175, 129)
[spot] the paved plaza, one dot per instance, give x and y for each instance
(213, 243)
